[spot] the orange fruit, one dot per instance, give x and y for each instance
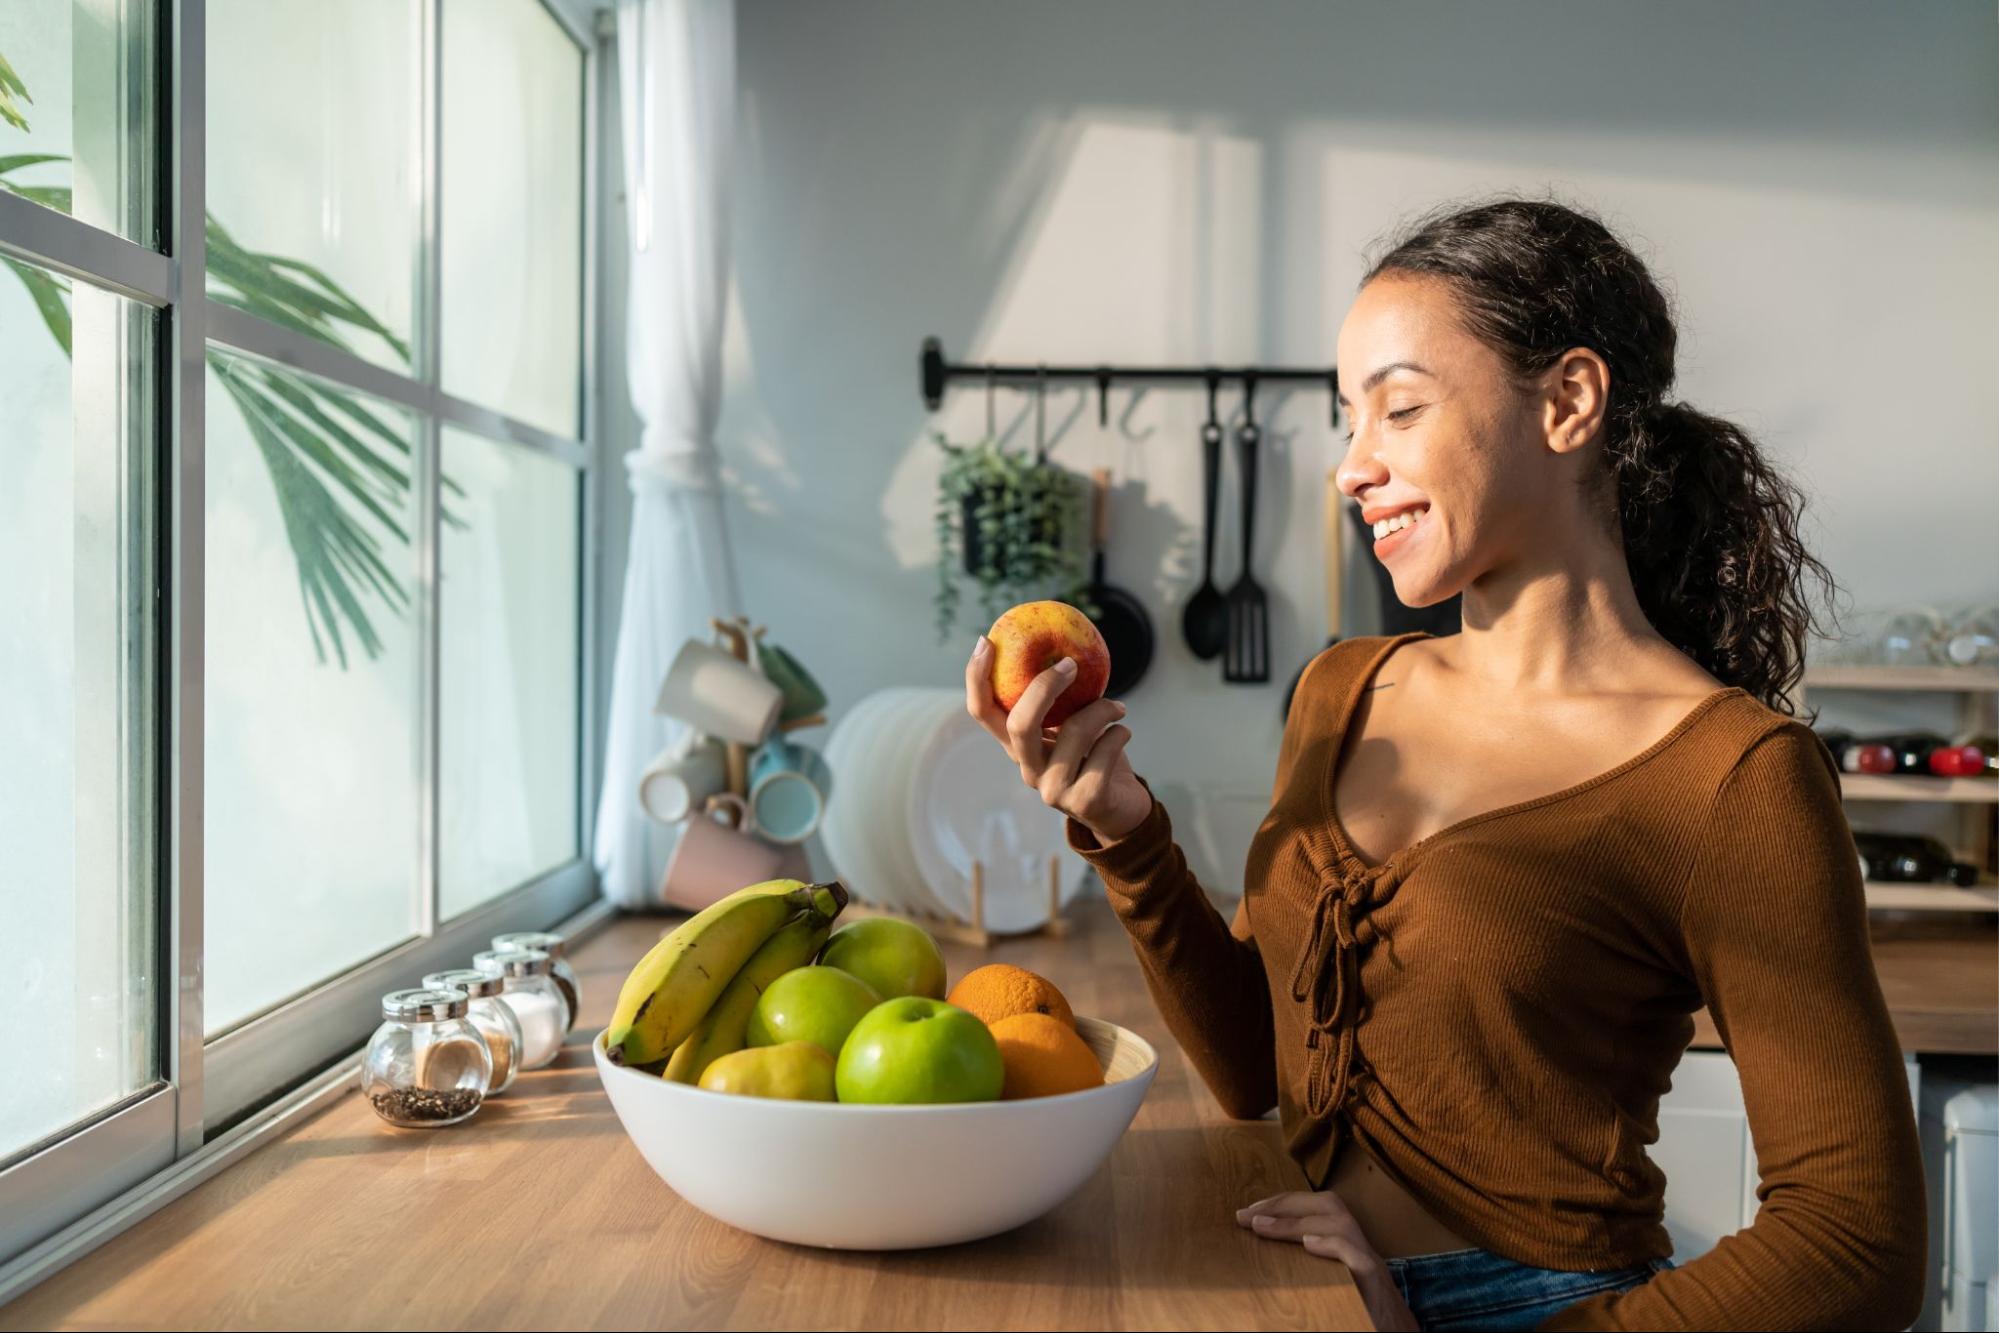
(1044, 1057)
(1001, 990)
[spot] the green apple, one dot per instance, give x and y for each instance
(795, 1071)
(895, 957)
(915, 1049)
(815, 1004)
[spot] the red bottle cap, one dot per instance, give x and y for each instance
(1875, 759)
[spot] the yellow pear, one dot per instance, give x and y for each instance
(799, 1071)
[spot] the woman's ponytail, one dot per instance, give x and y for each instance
(1710, 528)
(1711, 537)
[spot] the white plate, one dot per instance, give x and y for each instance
(845, 830)
(966, 800)
(910, 724)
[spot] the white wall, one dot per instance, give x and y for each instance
(1136, 181)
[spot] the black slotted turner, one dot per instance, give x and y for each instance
(1246, 659)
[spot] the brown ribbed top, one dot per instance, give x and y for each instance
(1492, 1013)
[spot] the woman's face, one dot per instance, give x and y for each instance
(1443, 439)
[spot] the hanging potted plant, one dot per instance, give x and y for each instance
(1012, 524)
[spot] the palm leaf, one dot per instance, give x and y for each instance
(15, 161)
(341, 471)
(333, 550)
(50, 294)
(11, 87)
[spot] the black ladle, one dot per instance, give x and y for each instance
(1205, 621)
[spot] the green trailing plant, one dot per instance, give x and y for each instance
(1012, 527)
(341, 468)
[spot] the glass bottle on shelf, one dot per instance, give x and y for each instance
(1853, 755)
(1925, 752)
(492, 1016)
(426, 1066)
(1972, 638)
(529, 989)
(1907, 858)
(1987, 746)
(1911, 638)
(557, 948)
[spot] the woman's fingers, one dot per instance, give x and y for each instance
(1299, 1226)
(1293, 1203)
(1023, 724)
(979, 700)
(1073, 742)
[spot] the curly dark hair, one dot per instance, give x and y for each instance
(1710, 528)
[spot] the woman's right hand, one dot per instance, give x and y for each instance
(1078, 768)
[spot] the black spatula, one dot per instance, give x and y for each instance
(1246, 660)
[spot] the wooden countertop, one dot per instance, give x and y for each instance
(539, 1213)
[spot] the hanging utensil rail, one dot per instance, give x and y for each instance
(938, 373)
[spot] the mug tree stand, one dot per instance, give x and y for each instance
(974, 931)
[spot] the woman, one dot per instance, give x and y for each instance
(1503, 868)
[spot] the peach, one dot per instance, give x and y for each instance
(1030, 638)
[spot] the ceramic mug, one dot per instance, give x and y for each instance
(712, 860)
(685, 775)
(789, 787)
(707, 688)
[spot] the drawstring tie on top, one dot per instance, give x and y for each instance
(1326, 975)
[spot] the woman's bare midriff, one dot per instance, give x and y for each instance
(1391, 1219)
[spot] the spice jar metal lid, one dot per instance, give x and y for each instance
(550, 943)
(426, 1004)
(471, 980)
(514, 962)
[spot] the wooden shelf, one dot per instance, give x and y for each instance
(1858, 676)
(1917, 787)
(1932, 897)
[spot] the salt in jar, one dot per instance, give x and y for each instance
(529, 989)
(557, 948)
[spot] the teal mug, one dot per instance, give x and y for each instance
(789, 787)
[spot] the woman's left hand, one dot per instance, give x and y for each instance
(1321, 1223)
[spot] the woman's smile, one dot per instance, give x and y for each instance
(1394, 531)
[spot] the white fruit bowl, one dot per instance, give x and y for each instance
(881, 1177)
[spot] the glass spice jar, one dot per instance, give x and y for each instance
(492, 1016)
(530, 991)
(557, 948)
(426, 1065)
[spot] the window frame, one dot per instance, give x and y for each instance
(58, 1198)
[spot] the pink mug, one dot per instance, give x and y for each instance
(713, 860)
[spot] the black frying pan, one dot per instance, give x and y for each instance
(1123, 622)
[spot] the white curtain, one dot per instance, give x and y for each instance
(677, 81)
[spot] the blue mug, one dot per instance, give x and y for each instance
(789, 787)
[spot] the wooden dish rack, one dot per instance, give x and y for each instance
(974, 931)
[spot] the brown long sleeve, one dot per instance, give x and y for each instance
(1204, 975)
(1493, 1013)
(1775, 925)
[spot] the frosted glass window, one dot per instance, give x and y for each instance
(77, 96)
(313, 200)
(312, 686)
(79, 996)
(508, 677)
(512, 219)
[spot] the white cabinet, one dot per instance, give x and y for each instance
(1960, 1123)
(1705, 1150)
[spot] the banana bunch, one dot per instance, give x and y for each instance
(690, 997)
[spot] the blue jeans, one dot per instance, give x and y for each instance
(1478, 1289)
